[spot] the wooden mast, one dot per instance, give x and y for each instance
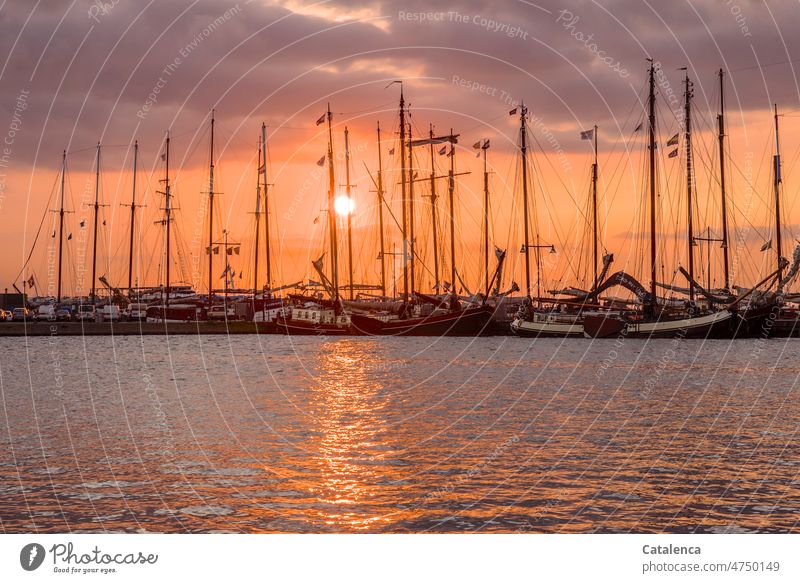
(451, 187)
(524, 154)
(436, 286)
(721, 137)
(258, 223)
(61, 222)
(595, 237)
(211, 217)
(332, 213)
(485, 148)
(166, 222)
(349, 209)
(404, 199)
(380, 214)
(689, 171)
(96, 214)
(133, 214)
(777, 184)
(652, 164)
(412, 242)
(265, 187)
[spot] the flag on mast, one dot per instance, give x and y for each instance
(673, 141)
(588, 134)
(321, 119)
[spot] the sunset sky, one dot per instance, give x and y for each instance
(75, 73)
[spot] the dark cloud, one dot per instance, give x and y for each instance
(90, 66)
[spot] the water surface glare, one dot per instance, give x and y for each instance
(276, 434)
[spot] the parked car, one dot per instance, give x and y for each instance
(218, 312)
(85, 312)
(136, 311)
(63, 314)
(20, 315)
(45, 313)
(110, 313)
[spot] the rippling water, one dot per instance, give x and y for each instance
(270, 434)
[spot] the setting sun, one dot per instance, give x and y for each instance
(344, 205)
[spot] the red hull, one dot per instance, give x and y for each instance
(466, 322)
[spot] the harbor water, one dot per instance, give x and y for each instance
(264, 433)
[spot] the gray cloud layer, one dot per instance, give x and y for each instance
(90, 65)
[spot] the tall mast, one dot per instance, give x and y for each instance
(689, 171)
(595, 238)
(349, 205)
(777, 183)
(211, 216)
(61, 222)
(404, 200)
(721, 137)
(524, 153)
(96, 213)
(433, 218)
(133, 214)
(166, 221)
(258, 223)
(380, 214)
(412, 242)
(485, 148)
(652, 148)
(451, 187)
(332, 212)
(265, 187)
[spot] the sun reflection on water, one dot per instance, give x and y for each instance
(349, 400)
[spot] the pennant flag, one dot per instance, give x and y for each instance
(69, 237)
(673, 141)
(442, 150)
(31, 281)
(321, 119)
(588, 134)
(229, 250)
(639, 127)
(434, 140)
(321, 161)
(208, 250)
(164, 157)
(216, 250)
(674, 153)
(83, 224)
(104, 222)
(391, 151)
(485, 145)
(513, 111)
(477, 145)
(766, 246)
(236, 250)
